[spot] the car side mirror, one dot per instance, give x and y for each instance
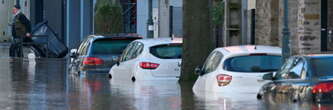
(117, 60)
(198, 70)
(73, 53)
(269, 76)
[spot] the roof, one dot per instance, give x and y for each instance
(318, 55)
(250, 49)
(157, 41)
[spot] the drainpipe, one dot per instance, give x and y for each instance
(286, 33)
(150, 30)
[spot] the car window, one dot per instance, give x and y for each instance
(109, 46)
(212, 62)
(293, 69)
(80, 49)
(132, 52)
(169, 51)
(83, 48)
(126, 54)
(253, 63)
(138, 50)
(322, 67)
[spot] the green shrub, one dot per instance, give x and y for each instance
(108, 18)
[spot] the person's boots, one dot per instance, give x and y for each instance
(12, 50)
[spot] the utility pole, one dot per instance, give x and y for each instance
(286, 34)
(244, 22)
(150, 30)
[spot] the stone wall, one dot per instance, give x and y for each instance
(308, 26)
(267, 22)
(304, 24)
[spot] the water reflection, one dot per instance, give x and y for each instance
(33, 85)
(42, 84)
(90, 93)
(218, 101)
(149, 95)
(269, 104)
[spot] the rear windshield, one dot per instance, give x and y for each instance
(109, 46)
(253, 63)
(170, 51)
(322, 66)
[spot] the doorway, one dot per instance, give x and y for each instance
(330, 24)
(327, 25)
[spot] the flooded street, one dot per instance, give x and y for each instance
(44, 84)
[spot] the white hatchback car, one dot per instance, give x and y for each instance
(149, 59)
(237, 69)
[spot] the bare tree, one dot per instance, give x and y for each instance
(198, 41)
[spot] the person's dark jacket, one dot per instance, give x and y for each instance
(21, 26)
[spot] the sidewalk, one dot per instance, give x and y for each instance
(4, 50)
(4, 44)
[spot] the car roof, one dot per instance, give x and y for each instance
(310, 56)
(159, 41)
(242, 49)
(114, 36)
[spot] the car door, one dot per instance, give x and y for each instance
(291, 81)
(210, 66)
(125, 68)
(83, 54)
(76, 61)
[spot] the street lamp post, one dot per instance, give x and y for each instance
(150, 30)
(286, 34)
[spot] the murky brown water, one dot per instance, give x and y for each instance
(44, 84)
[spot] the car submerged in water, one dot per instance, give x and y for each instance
(237, 70)
(97, 54)
(149, 59)
(301, 78)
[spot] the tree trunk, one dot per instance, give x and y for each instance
(198, 41)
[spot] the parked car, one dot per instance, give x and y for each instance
(236, 70)
(149, 59)
(98, 53)
(301, 78)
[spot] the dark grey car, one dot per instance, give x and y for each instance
(301, 78)
(97, 54)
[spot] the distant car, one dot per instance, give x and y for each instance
(98, 53)
(149, 59)
(237, 69)
(301, 78)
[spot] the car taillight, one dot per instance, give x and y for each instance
(322, 88)
(92, 61)
(149, 65)
(223, 79)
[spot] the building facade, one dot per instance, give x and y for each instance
(310, 24)
(167, 18)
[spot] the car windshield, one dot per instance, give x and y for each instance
(109, 46)
(170, 51)
(253, 63)
(322, 67)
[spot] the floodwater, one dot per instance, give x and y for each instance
(44, 84)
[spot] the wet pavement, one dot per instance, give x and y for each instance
(44, 84)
